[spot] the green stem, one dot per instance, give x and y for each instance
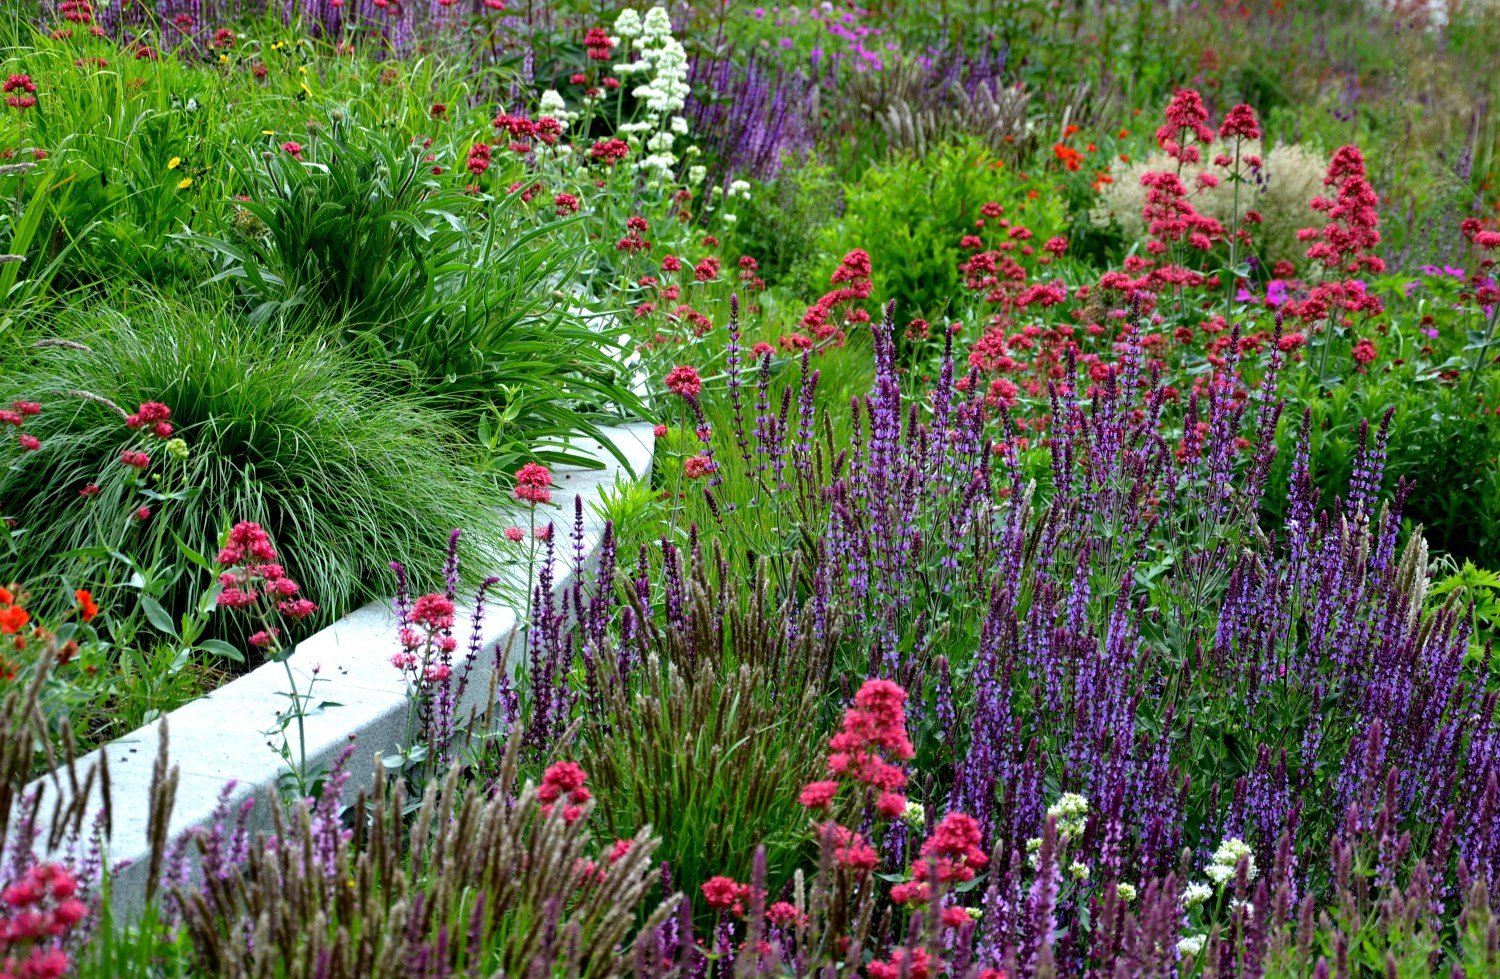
(1489, 335)
(301, 773)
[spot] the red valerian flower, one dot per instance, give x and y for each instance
(1364, 351)
(564, 779)
(479, 158)
(135, 459)
(723, 894)
(247, 540)
(1186, 116)
(609, 151)
(1240, 123)
(698, 466)
(817, 795)
(433, 611)
(292, 149)
(532, 482)
(21, 91)
(916, 963)
(29, 443)
(874, 726)
(783, 914)
(683, 380)
(851, 849)
(299, 608)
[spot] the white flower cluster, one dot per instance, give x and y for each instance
(1072, 812)
(1196, 894)
(1125, 892)
(1191, 945)
(915, 815)
(663, 91)
(552, 104)
(1226, 858)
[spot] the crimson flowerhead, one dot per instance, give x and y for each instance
(532, 483)
(683, 380)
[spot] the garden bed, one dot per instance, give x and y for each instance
(219, 746)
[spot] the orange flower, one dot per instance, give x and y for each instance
(6, 597)
(1071, 158)
(13, 620)
(86, 604)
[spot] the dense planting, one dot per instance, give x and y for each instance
(1067, 548)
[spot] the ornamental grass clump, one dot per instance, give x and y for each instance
(344, 468)
(697, 723)
(496, 882)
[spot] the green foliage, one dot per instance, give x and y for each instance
(910, 214)
(780, 224)
(341, 461)
(1441, 439)
(462, 290)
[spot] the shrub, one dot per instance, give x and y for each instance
(911, 213)
(343, 466)
(780, 222)
(1442, 442)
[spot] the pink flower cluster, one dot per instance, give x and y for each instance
(20, 91)
(724, 894)
(430, 624)
(684, 381)
(35, 911)
(1186, 128)
(564, 780)
(16, 415)
(1345, 245)
(153, 416)
(598, 44)
(532, 484)
(866, 752)
(252, 577)
(852, 284)
(950, 856)
(1347, 242)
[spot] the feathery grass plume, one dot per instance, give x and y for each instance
(700, 726)
(473, 882)
(1291, 175)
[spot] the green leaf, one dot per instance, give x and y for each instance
(157, 615)
(222, 649)
(192, 555)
